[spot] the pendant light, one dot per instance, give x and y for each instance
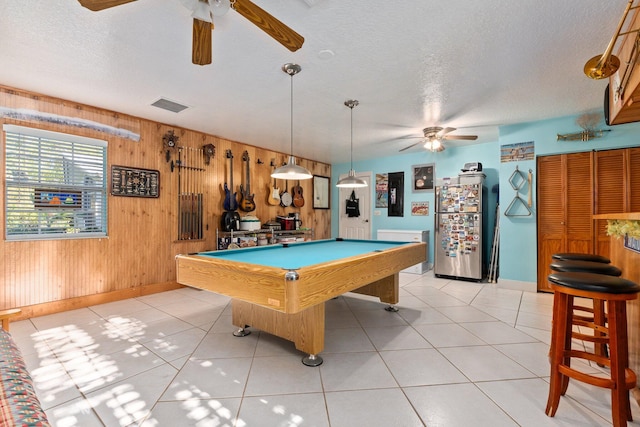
(351, 180)
(291, 170)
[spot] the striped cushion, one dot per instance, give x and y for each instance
(19, 405)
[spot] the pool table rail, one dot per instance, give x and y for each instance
(373, 273)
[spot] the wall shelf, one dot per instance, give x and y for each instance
(262, 237)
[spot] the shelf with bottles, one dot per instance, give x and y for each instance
(262, 237)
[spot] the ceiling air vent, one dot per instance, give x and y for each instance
(168, 105)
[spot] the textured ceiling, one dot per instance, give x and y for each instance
(473, 65)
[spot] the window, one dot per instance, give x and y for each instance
(55, 185)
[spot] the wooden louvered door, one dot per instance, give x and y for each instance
(551, 209)
(611, 168)
(633, 179)
(572, 188)
(565, 208)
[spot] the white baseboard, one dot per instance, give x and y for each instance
(517, 285)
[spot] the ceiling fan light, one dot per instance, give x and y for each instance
(219, 7)
(434, 145)
(291, 171)
(202, 11)
(351, 181)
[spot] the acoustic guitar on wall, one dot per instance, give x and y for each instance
(298, 199)
(274, 192)
(246, 198)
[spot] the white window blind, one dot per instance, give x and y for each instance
(55, 185)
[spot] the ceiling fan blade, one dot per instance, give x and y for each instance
(411, 146)
(270, 25)
(96, 5)
(460, 137)
(201, 43)
(445, 131)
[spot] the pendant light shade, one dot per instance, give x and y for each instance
(351, 180)
(291, 170)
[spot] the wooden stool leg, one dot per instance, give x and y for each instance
(566, 360)
(623, 354)
(617, 345)
(559, 333)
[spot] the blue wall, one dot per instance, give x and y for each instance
(518, 246)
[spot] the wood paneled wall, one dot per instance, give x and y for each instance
(138, 255)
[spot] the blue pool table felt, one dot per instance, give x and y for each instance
(293, 256)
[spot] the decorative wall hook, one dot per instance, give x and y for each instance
(170, 139)
(170, 142)
(209, 151)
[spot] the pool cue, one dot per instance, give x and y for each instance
(181, 220)
(530, 180)
(190, 195)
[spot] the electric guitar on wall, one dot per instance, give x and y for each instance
(230, 202)
(274, 193)
(298, 199)
(246, 198)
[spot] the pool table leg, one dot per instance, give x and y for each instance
(387, 289)
(242, 332)
(305, 328)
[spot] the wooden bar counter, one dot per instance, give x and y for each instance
(629, 262)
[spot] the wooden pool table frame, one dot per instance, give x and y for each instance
(294, 309)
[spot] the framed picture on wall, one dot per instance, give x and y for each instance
(396, 194)
(423, 177)
(382, 190)
(320, 192)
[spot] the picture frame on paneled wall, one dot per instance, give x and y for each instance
(320, 192)
(135, 182)
(396, 194)
(382, 190)
(424, 177)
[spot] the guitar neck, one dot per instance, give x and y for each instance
(247, 178)
(231, 173)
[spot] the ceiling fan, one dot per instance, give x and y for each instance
(203, 12)
(433, 137)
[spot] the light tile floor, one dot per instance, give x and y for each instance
(456, 354)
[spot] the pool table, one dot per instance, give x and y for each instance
(281, 289)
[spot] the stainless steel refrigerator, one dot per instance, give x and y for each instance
(460, 224)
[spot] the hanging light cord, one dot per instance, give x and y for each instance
(351, 107)
(291, 121)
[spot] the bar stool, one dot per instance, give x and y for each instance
(574, 256)
(596, 313)
(615, 292)
(579, 266)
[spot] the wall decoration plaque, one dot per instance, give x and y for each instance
(134, 182)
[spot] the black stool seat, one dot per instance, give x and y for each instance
(585, 267)
(593, 282)
(574, 256)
